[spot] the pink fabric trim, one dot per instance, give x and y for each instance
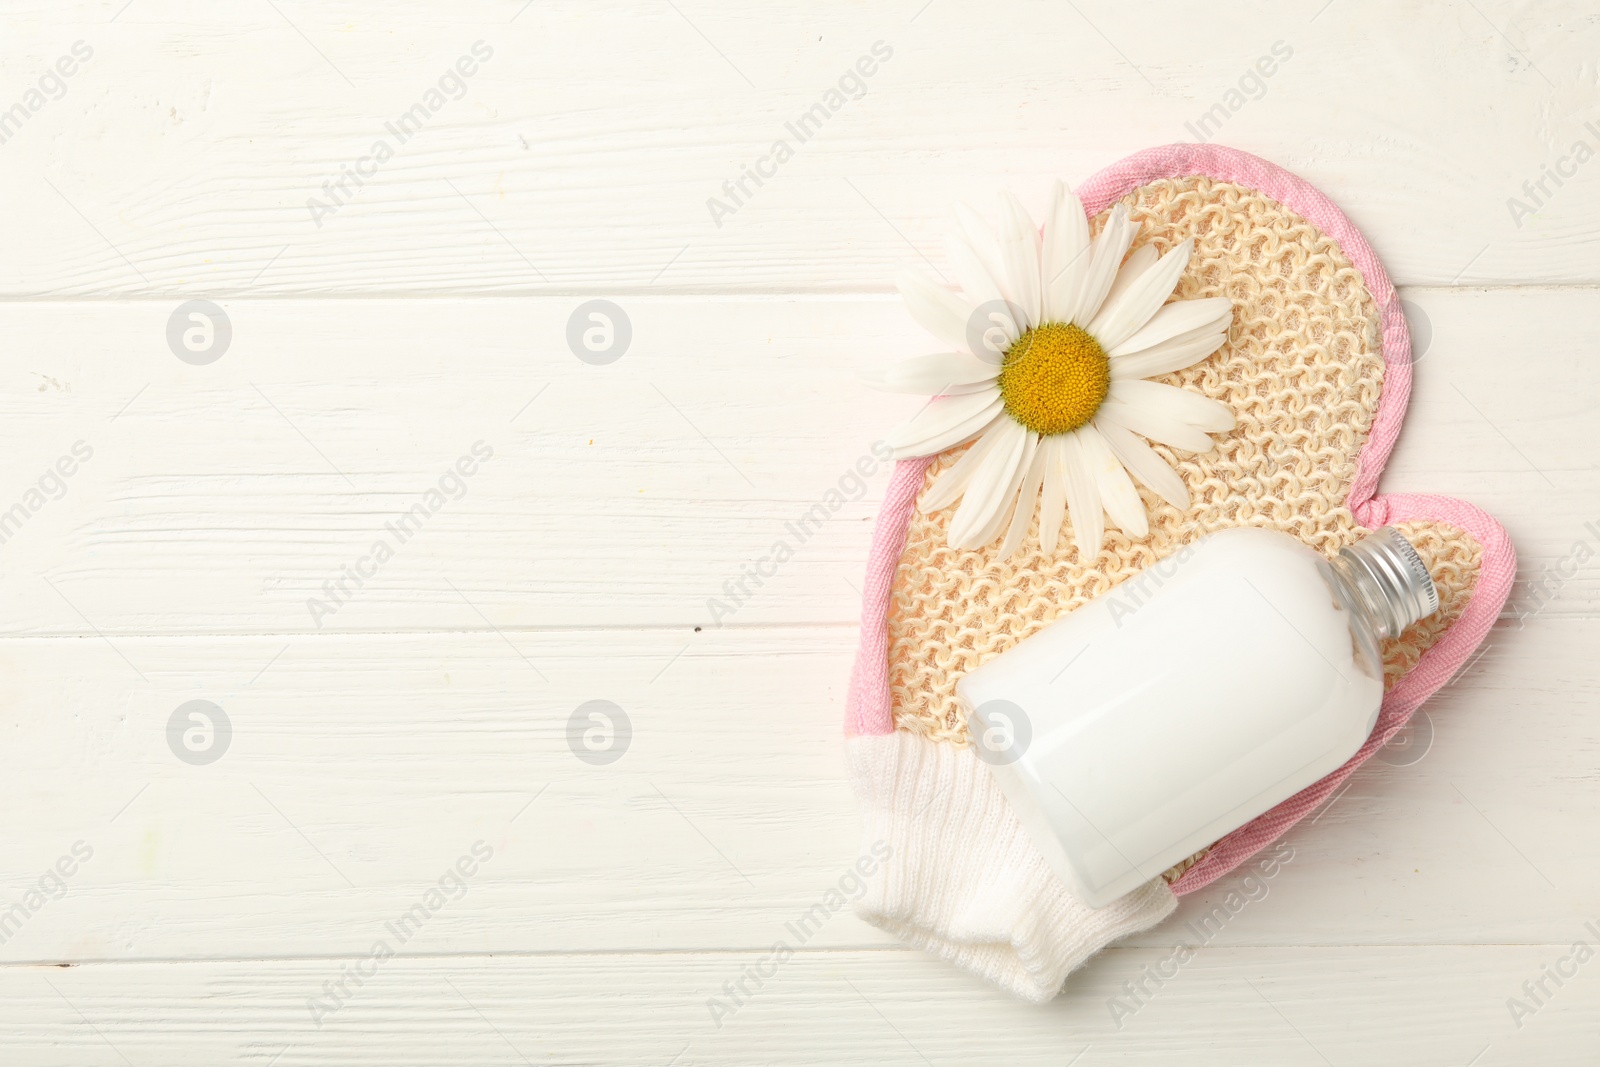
(1301, 197)
(867, 709)
(1496, 572)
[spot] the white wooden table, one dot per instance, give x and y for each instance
(385, 725)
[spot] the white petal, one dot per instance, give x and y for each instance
(1121, 318)
(1022, 514)
(980, 237)
(948, 487)
(1109, 248)
(992, 488)
(944, 423)
(937, 375)
(1139, 260)
(1121, 499)
(1083, 499)
(1065, 256)
(1019, 256)
(1003, 514)
(1199, 411)
(1154, 425)
(1179, 352)
(990, 317)
(1178, 317)
(981, 240)
(936, 309)
(1143, 463)
(979, 281)
(1053, 504)
(954, 389)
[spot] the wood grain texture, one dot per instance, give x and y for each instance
(361, 767)
(581, 157)
(427, 709)
(1309, 1006)
(221, 498)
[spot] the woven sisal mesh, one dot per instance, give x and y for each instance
(1301, 370)
(1452, 556)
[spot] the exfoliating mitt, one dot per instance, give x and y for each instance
(1274, 395)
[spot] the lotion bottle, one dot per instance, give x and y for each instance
(1150, 722)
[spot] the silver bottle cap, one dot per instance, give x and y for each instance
(1392, 580)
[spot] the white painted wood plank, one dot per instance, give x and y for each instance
(621, 494)
(581, 156)
(359, 771)
(1223, 1007)
(1458, 830)
(361, 768)
(221, 498)
(1503, 414)
(369, 755)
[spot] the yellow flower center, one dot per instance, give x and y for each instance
(1054, 378)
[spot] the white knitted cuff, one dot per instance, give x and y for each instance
(962, 879)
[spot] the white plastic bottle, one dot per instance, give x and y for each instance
(1145, 725)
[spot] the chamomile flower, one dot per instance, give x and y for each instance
(1054, 337)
